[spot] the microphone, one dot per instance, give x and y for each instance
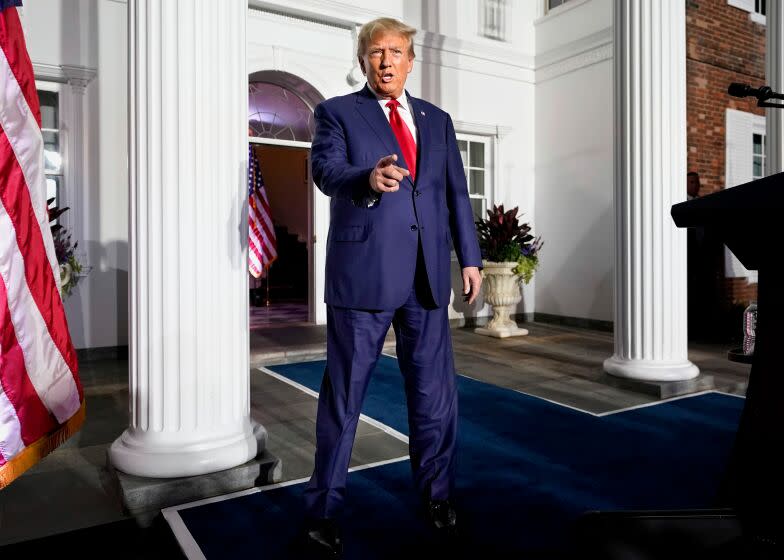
(745, 90)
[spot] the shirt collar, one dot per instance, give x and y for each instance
(403, 99)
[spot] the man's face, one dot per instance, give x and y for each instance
(693, 185)
(386, 63)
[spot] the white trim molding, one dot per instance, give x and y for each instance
(337, 13)
(78, 76)
(450, 52)
(546, 14)
(432, 48)
(481, 129)
(583, 52)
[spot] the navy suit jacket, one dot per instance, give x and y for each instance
(372, 250)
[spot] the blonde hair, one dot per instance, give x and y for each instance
(367, 31)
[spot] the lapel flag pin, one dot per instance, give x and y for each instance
(422, 113)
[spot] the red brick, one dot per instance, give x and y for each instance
(723, 45)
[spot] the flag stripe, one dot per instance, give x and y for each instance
(21, 163)
(266, 221)
(254, 265)
(24, 136)
(18, 60)
(255, 250)
(262, 243)
(10, 430)
(10, 427)
(40, 394)
(16, 386)
(31, 289)
(263, 235)
(266, 231)
(262, 251)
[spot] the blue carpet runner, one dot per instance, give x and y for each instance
(526, 469)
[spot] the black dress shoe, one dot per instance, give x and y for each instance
(323, 536)
(443, 517)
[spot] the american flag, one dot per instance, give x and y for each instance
(262, 245)
(41, 398)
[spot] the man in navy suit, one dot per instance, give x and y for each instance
(399, 200)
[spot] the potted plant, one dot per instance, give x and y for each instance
(510, 256)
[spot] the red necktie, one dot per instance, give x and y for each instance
(403, 135)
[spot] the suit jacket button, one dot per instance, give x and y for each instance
(417, 193)
(413, 228)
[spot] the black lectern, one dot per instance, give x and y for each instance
(749, 219)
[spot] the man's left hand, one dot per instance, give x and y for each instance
(472, 280)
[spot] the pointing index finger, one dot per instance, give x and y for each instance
(387, 160)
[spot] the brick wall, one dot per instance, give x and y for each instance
(723, 45)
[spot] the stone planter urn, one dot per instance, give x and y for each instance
(502, 290)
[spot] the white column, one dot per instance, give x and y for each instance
(650, 176)
(774, 70)
(189, 372)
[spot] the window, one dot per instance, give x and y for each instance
(758, 156)
(757, 9)
(745, 162)
(475, 151)
(277, 113)
(555, 3)
(53, 145)
(492, 19)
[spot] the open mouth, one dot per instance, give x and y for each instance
(387, 77)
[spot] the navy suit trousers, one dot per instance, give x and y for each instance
(424, 349)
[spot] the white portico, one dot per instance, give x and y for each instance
(597, 189)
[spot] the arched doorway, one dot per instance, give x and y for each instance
(280, 129)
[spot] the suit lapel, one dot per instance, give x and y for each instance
(370, 110)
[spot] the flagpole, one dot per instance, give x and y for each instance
(268, 273)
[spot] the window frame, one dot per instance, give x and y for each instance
(489, 186)
(758, 129)
(500, 9)
(61, 90)
(758, 156)
(752, 7)
(548, 8)
(740, 128)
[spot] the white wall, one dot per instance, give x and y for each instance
(89, 37)
(574, 161)
(570, 22)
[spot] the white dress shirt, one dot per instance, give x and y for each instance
(404, 111)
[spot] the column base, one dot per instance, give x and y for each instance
(143, 498)
(143, 456)
(503, 332)
(651, 370)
